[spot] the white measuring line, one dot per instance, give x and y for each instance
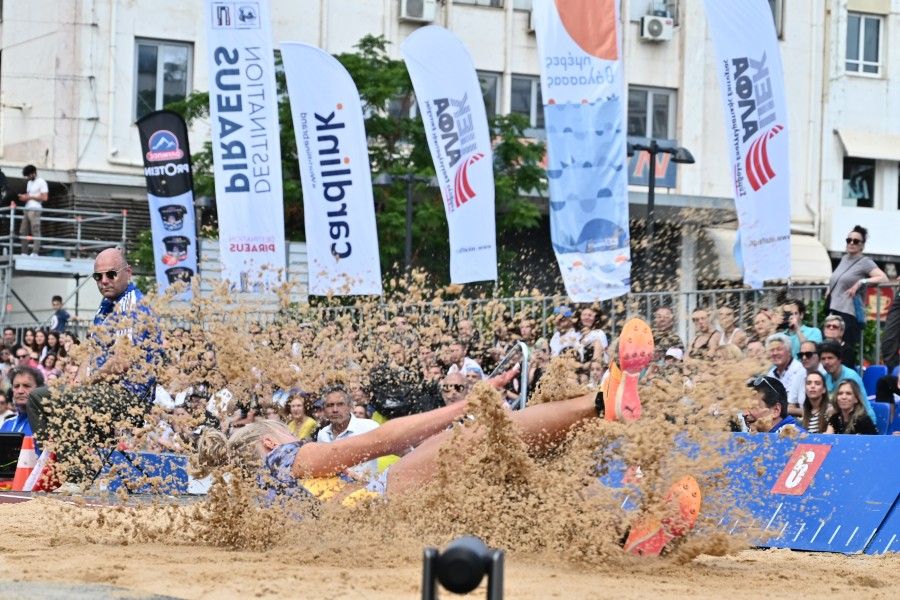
(816, 534)
(888, 547)
(799, 531)
(774, 514)
(831, 539)
(871, 535)
(781, 533)
(850, 539)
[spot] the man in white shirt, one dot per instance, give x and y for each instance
(788, 370)
(36, 193)
(338, 405)
(456, 356)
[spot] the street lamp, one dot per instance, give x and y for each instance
(411, 179)
(679, 155)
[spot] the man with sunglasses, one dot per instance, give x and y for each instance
(833, 330)
(454, 388)
(809, 357)
(768, 412)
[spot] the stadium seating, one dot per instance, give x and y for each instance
(871, 376)
(882, 416)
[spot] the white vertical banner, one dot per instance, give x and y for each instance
(338, 207)
(584, 113)
(452, 107)
(243, 108)
(752, 84)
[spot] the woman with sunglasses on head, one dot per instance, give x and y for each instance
(854, 270)
(815, 404)
(850, 415)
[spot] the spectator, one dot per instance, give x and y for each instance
(849, 413)
(815, 403)
(60, 317)
(593, 339)
(342, 424)
(833, 330)
(794, 312)
(359, 411)
(890, 337)
(706, 339)
(809, 358)
(23, 381)
(527, 332)
(764, 325)
(40, 344)
(69, 340)
(595, 373)
(854, 270)
(473, 373)
(48, 368)
(36, 193)
(769, 410)
(300, 425)
(835, 372)
(664, 335)
(6, 363)
(9, 337)
(454, 388)
(6, 410)
(787, 370)
(53, 343)
(731, 333)
(456, 356)
(28, 338)
(24, 358)
(565, 336)
(469, 336)
(540, 361)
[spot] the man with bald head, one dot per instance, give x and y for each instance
(116, 384)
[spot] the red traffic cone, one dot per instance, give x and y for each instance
(27, 460)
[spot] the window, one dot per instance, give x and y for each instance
(777, 7)
(521, 4)
(490, 89)
(526, 99)
(859, 182)
(495, 3)
(651, 113)
(863, 44)
(163, 74)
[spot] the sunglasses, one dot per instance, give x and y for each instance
(805, 355)
(21, 356)
(108, 274)
(452, 387)
(854, 241)
(832, 326)
(759, 380)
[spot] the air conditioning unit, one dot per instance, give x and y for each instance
(531, 27)
(419, 11)
(656, 28)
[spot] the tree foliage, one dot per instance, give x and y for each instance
(397, 146)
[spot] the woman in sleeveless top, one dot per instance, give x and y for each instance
(706, 339)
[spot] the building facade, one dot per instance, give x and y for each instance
(75, 74)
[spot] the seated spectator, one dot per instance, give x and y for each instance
(40, 344)
(68, 340)
(300, 425)
(9, 337)
(6, 363)
(24, 358)
(342, 424)
(849, 413)
(815, 403)
(28, 338)
(565, 335)
(595, 373)
(359, 411)
(731, 333)
(664, 335)
(593, 339)
(48, 368)
(833, 330)
(835, 372)
(787, 370)
(454, 388)
(706, 339)
(53, 343)
(457, 357)
(473, 374)
(6, 410)
(794, 311)
(768, 412)
(23, 381)
(809, 357)
(764, 325)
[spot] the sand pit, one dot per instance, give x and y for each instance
(33, 551)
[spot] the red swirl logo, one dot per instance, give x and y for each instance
(759, 169)
(463, 191)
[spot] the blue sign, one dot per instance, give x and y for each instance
(639, 165)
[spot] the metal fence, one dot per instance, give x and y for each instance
(485, 312)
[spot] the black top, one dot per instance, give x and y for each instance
(862, 426)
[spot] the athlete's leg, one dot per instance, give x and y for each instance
(540, 426)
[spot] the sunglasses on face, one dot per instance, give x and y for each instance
(21, 356)
(854, 241)
(805, 355)
(452, 387)
(111, 275)
(832, 326)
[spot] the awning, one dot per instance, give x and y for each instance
(865, 144)
(809, 258)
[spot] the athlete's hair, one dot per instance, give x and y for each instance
(241, 450)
